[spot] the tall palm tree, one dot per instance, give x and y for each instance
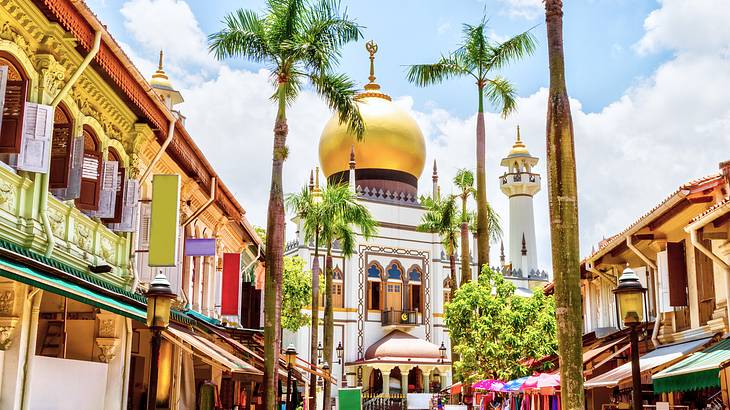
(478, 57)
(305, 205)
(345, 218)
(563, 198)
(464, 180)
(300, 41)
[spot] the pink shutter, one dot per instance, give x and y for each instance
(35, 146)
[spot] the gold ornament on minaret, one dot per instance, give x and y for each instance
(392, 140)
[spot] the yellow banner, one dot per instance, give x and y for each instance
(165, 220)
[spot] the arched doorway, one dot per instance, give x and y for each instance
(375, 383)
(415, 380)
(396, 381)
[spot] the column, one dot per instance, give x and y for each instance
(386, 381)
(197, 272)
(426, 378)
(207, 261)
(14, 323)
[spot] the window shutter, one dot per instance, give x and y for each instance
(662, 262)
(145, 213)
(677, 268)
(119, 192)
(35, 147)
(108, 193)
(90, 185)
(3, 87)
(128, 220)
(13, 96)
(61, 153)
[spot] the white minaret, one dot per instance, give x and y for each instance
(520, 184)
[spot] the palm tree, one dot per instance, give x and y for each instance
(464, 180)
(563, 198)
(343, 216)
(305, 205)
(478, 57)
(300, 41)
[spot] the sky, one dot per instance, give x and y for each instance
(648, 82)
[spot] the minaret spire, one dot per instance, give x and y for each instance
(159, 65)
(501, 253)
(353, 185)
(524, 245)
(435, 177)
(311, 180)
(372, 48)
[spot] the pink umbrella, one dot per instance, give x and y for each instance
(548, 380)
(488, 384)
(530, 383)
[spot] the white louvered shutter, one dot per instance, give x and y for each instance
(662, 263)
(129, 208)
(3, 86)
(35, 148)
(145, 213)
(108, 193)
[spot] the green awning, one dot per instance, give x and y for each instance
(699, 371)
(48, 282)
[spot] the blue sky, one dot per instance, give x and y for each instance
(648, 82)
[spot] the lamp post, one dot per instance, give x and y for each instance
(320, 349)
(340, 355)
(442, 352)
(630, 304)
(291, 358)
(159, 299)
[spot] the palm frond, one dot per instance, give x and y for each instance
(502, 94)
(325, 30)
(511, 50)
(427, 74)
(243, 35)
(284, 19)
(464, 179)
(338, 92)
(476, 46)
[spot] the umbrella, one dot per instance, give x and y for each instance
(488, 384)
(530, 383)
(548, 380)
(514, 385)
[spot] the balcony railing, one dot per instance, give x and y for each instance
(80, 241)
(399, 318)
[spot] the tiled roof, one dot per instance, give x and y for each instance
(683, 190)
(712, 209)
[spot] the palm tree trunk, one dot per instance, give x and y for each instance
(274, 258)
(562, 191)
(482, 224)
(315, 323)
(465, 260)
(452, 294)
(329, 325)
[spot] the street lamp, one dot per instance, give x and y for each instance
(159, 299)
(326, 370)
(630, 307)
(442, 352)
(340, 352)
(291, 358)
(319, 352)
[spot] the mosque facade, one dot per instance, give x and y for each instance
(389, 296)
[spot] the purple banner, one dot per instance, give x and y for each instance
(199, 247)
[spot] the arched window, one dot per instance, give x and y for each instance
(337, 287)
(395, 271)
(415, 289)
(90, 172)
(62, 148)
(15, 95)
(394, 287)
(119, 188)
(375, 287)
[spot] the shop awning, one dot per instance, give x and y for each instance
(647, 362)
(699, 371)
(65, 287)
(209, 352)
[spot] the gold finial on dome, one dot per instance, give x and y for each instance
(519, 147)
(160, 78)
(372, 89)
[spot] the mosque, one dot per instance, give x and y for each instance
(389, 296)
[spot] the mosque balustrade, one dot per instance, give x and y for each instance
(517, 177)
(399, 318)
(79, 240)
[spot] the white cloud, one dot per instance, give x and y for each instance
(698, 26)
(668, 128)
(526, 9)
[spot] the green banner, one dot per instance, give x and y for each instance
(350, 398)
(164, 220)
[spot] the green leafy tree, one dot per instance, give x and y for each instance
(297, 293)
(345, 218)
(494, 331)
(563, 199)
(478, 57)
(300, 41)
(464, 180)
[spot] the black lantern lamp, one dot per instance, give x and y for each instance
(340, 352)
(442, 352)
(291, 359)
(159, 300)
(630, 302)
(319, 352)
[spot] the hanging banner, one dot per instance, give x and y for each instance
(199, 246)
(231, 285)
(164, 220)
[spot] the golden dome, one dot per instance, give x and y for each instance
(160, 78)
(519, 148)
(392, 138)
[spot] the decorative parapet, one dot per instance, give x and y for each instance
(534, 274)
(387, 196)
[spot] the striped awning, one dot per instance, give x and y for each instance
(699, 371)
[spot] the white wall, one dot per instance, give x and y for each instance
(63, 384)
